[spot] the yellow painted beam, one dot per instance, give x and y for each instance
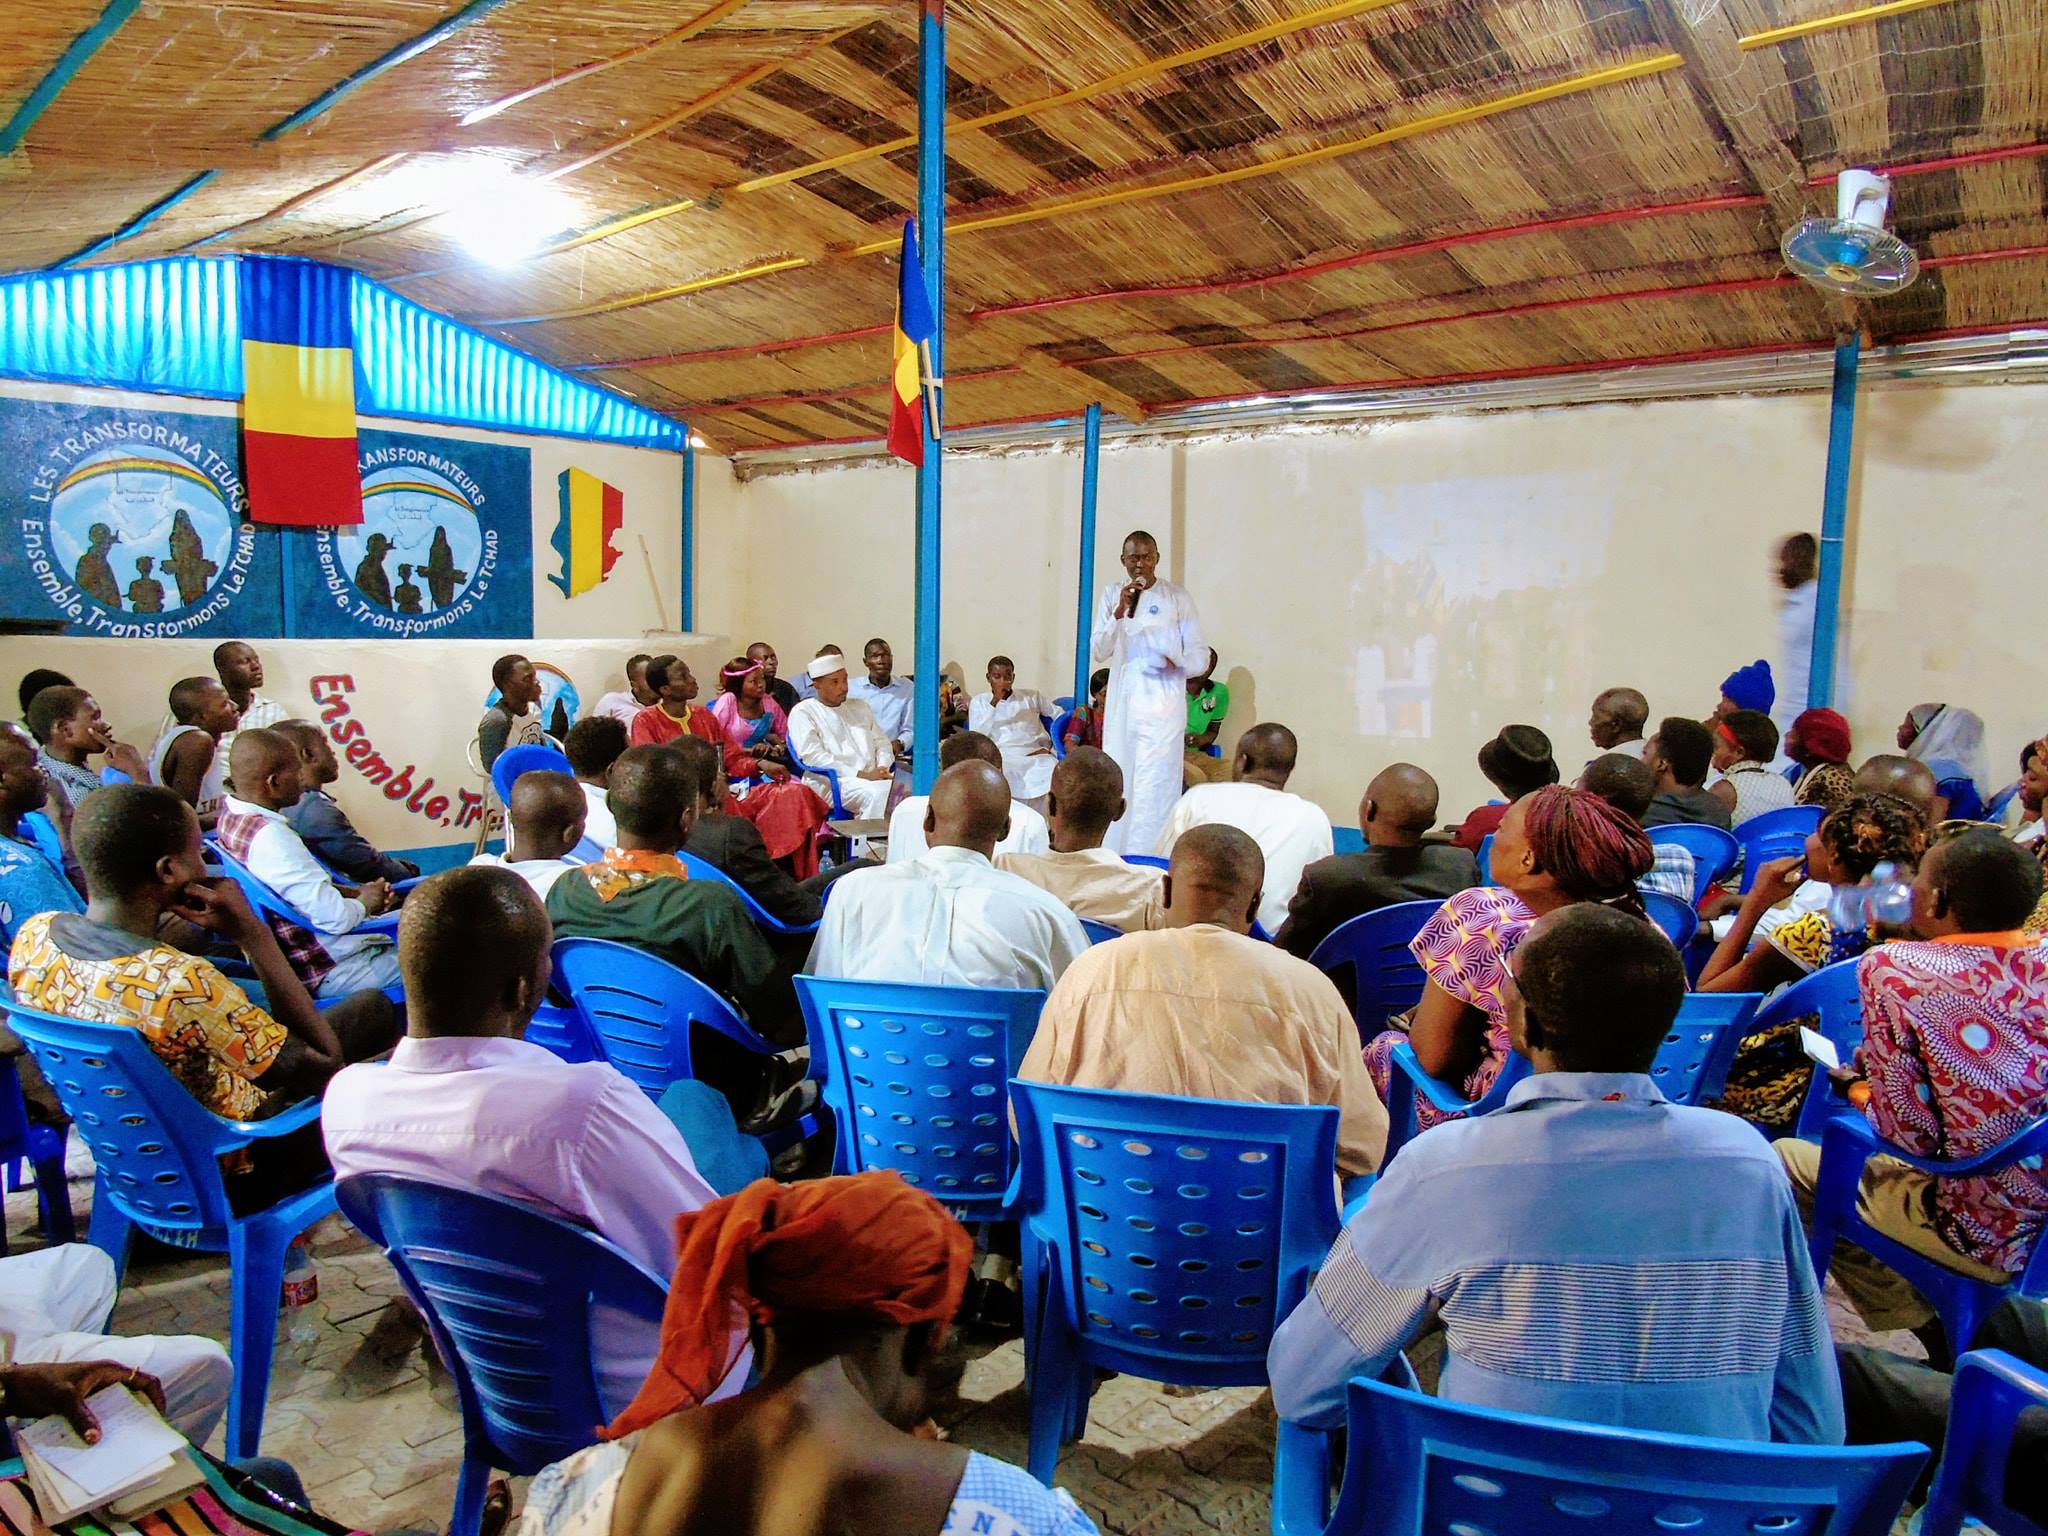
(1776, 35)
(632, 300)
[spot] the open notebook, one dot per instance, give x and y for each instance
(139, 1463)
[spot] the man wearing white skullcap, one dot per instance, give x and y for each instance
(829, 730)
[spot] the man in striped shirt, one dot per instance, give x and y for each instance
(1592, 1251)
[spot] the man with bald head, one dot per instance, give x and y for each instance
(331, 953)
(1395, 866)
(547, 813)
(950, 917)
(1905, 779)
(466, 1103)
(1291, 832)
(1617, 721)
(1087, 796)
(1202, 1010)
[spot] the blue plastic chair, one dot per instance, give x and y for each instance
(507, 1293)
(1408, 1079)
(114, 776)
(1775, 835)
(1992, 1389)
(1147, 860)
(1167, 1238)
(1830, 993)
(1846, 1144)
(514, 761)
(158, 1154)
(43, 833)
(1100, 933)
(1060, 722)
(701, 869)
(637, 1010)
(1417, 1464)
(275, 908)
(916, 1080)
(1680, 922)
(1485, 858)
(1713, 851)
(561, 1032)
(799, 767)
(1386, 979)
(42, 1148)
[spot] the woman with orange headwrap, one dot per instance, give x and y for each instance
(850, 1284)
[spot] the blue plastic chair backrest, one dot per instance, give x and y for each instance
(1692, 1063)
(157, 1150)
(1713, 851)
(830, 775)
(701, 869)
(514, 761)
(1485, 857)
(916, 1078)
(1776, 834)
(1992, 1390)
(1147, 860)
(508, 1293)
(1100, 933)
(1678, 920)
(1060, 722)
(114, 776)
(1831, 993)
(1184, 1229)
(1419, 1463)
(43, 833)
(1386, 978)
(638, 1008)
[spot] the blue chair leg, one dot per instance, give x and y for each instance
(256, 1250)
(110, 1230)
(471, 1484)
(1057, 1398)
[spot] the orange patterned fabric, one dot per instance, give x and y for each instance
(200, 1024)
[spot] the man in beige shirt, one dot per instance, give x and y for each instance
(1087, 795)
(1202, 1010)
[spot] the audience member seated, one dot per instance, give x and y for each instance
(622, 704)
(547, 817)
(1555, 848)
(1396, 865)
(893, 699)
(1568, 1245)
(1199, 1009)
(674, 711)
(33, 682)
(1818, 744)
(1097, 885)
(1208, 703)
(466, 1103)
(1028, 831)
(853, 1283)
(514, 720)
(750, 716)
(950, 917)
(189, 758)
(1680, 754)
(54, 1306)
(1950, 741)
(832, 731)
(323, 826)
(1745, 742)
(1750, 687)
(592, 746)
(1617, 721)
(1517, 762)
(240, 671)
(1625, 782)
(1015, 722)
(2017, 809)
(29, 883)
(1903, 780)
(68, 726)
(1291, 832)
(733, 845)
(1783, 933)
(139, 844)
(1954, 1061)
(333, 957)
(1084, 725)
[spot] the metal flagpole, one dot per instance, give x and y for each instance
(1084, 621)
(688, 620)
(1834, 522)
(931, 229)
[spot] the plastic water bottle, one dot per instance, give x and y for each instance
(1885, 899)
(301, 1289)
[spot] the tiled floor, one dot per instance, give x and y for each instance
(370, 1421)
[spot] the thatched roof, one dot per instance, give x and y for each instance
(1150, 203)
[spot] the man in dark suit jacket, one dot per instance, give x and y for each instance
(1396, 865)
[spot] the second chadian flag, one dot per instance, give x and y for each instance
(298, 393)
(591, 514)
(914, 328)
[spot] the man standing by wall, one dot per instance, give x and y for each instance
(1798, 576)
(1149, 634)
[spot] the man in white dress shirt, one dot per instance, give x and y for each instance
(892, 698)
(466, 1103)
(950, 918)
(1028, 832)
(1291, 832)
(547, 821)
(833, 731)
(1148, 633)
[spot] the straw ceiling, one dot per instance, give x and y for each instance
(1150, 201)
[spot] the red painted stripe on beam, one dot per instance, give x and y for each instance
(852, 391)
(1947, 162)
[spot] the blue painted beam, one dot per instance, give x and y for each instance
(69, 62)
(473, 12)
(1834, 524)
(141, 221)
(931, 230)
(688, 620)
(1084, 621)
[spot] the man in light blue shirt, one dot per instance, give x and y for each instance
(892, 698)
(1593, 1251)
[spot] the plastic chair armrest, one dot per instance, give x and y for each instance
(1847, 1143)
(300, 1115)
(385, 923)
(1988, 1161)
(1354, 1192)
(1437, 1094)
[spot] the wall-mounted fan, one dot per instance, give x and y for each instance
(1852, 253)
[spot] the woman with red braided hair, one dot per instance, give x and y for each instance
(1554, 848)
(850, 1284)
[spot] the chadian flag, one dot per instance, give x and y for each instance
(915, 327)
(298, 393)
(591, 513)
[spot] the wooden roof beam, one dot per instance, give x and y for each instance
(1084, 387)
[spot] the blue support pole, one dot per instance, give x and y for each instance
(931, 230)
(687, 619)
(1834, 522)
(1084, 622)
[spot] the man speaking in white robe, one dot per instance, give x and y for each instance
(832, 731)
(1149, 634)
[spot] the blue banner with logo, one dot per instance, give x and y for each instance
(130, 524)
(445, 547)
